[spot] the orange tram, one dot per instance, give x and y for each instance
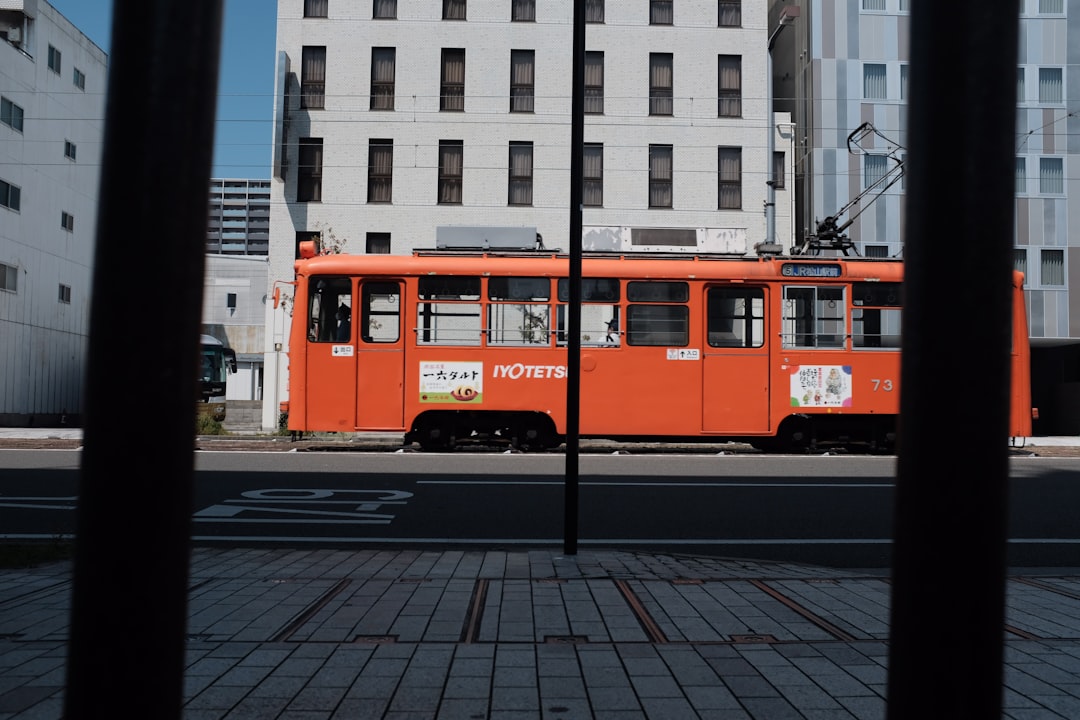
(447, 347)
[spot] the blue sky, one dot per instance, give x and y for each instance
(244, 125)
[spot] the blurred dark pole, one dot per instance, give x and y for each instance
(573, 342)
(948, 593)
(129, 604)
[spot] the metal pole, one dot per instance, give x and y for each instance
(573, 342)
(948, 594)
(129, 599)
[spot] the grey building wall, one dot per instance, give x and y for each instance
(47, 241)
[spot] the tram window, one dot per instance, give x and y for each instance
(876, 294)
(657, 291)
(592, 290)
(599, 325)
(875, 317)
(448, 323)
(814, 317)
(519, 288)
(519, 324)
(657, 324)
(599, 312)
(736, 317)
(381, 303)
(326, 296)
(448, 287)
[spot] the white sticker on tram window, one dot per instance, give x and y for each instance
(683, 354)
(341, 350)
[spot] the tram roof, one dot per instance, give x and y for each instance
(623, 265)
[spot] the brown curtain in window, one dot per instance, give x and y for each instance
(453, 80)
(453, 9)
(521, 170)
(380, 172)
(660, 169)
(660, 84)
(382, 78)
(450, 171)
(730, 83)
(313, 77)
(594, 82)
(730, 178)
(521, 80)
(592, 163)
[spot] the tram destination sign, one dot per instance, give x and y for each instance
(809, 270)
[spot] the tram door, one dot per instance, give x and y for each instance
(735, 388)
(380, 357)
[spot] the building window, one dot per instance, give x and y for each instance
(453, 9)
(313, 78)
(661, 12)
(875, 86)
(65, 294)
(874, 168)
(873, 4)
(9, 277)
(660, 83)
(453, 80)
(522, 80)
(1020, 85)
(10, 195)
(521, 173)
(594, 11)
(384, 10)
(1051, 176)
(79, 79)
(1051, 7)
(1050, 85)
(903, 81)
(383, 60)
(378, 243)
(1020, 260)
(876, 251)
(315, 8)
(729, 74)
(380, 171)
(592, 167)
(1021, 176)
(905, 5)
(11, 114)
(779, 172)
(730, 13)
(1052, 271)
(730, 178)
(451, 162)
(54, 60)
(660, 176)
(67, 221)
(309, 170)
(594, 82)
(523, 10)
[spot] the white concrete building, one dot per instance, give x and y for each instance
(393, 119)
(52, 117)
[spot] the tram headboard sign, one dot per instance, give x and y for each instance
(809, 270)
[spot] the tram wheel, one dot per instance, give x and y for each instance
(436, 439)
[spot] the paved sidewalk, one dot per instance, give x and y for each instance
(489, 635)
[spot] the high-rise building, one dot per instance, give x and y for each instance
(52, 117)
(395, 120)
(239, 217)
